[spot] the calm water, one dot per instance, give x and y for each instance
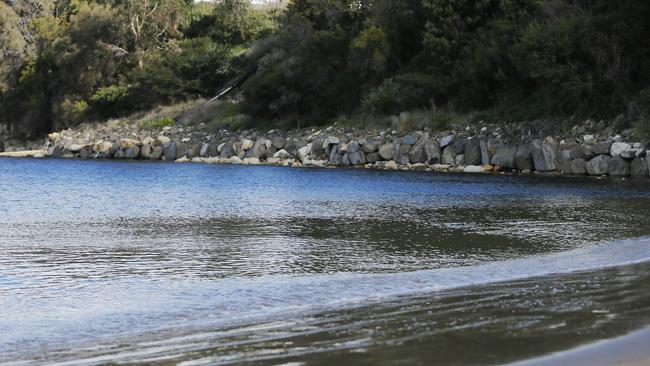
(113, 262)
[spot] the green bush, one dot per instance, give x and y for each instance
(156, 124)
(113, 100)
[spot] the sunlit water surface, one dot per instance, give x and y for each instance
(110, 262)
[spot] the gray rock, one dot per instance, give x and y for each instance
(335, 156)
(373, 157)
(486, 157)
(317, 151)
(639, 167)
(523, 158)
(618, 147)
(169, 150)
(86, 153)
(354, 147)
(460, 160)
(282, 154)
(578, 167)
(545, 154)
(357, 158)
(258, 150)
(632, 153)
(345, 160)
(227, 151)
(331, 140)
(417, 153)
(598, 165)
(387, 151)
(402, 154)
(2, 146)
(132, 152)
(459, 145)
(408, 140)
(618, 167)
(370, 146)
(209, 150)
(156, 153)
(193, 151)
(446, 141)
(449, 155)
(473, 152)
(181, 150)
(278, 142)
(505, 157)
(601, 148)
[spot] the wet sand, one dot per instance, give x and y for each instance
(629, 350)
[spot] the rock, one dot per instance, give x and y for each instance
(523, 158)
(408, 140)
(282, 154)
(235, 160)
(618, 147)
(372, 157)
(145, 151)
(618, 167)
(505, 157)
(183, 159)
(459, 145)
(449, 155)
(247, 144)
(156, 153)
(545, 154)
(132, 152)
(345, 160)
(258, 151)
(369, 146)
(632, 153)
(53, 136)
(486, 157)
(227, 151)
(303, 153)
(391, 165)
(103, 147)
(335, 156)
(119, 154)
(317, 152)
(128, 143)
(278, 142)
(86, 153)
(357, 158)
(601, 148)
(205, 150)
(473, 169)
(193, 152)
(589, 139)
(639, 167)
(473, 152)
(460, 160)
(169, 150)
(446, 141)
(181, 150)
(440, 167)
(598, 165)
(402, 153)
(75, 148)
(251, 161)
(488, 167)
(353, 147)
(578, 167)
(387, 151)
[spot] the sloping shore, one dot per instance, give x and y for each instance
(628, 350)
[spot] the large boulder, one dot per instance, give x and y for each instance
(227, 151)
(193, 151)
(278, 141)
(387, 151)
(132, 152)
(473, 152)
(402, 151)
(317, 150)
(409, 140)
(505, 157)
(486, 157)
(639, 167)
(357, 157)
(601, 148)
(353, 147)
(373, 157)
(618, 167)
(598, 165)
(208, 150)
(370, 145)
(258, 150)
(446, 141)
(449, 155)
(156, 153)
(578, 167)
(335, 156)
(145, 151)
(169, 150)
(618, 147)
(545, 154)
(523, 158)
(247, 144)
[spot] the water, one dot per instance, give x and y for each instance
(115, 262)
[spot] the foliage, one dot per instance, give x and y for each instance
(157, 124)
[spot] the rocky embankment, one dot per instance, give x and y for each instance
(470, 150)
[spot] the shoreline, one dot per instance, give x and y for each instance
(626, 350)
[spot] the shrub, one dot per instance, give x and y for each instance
(113, 100)
(157, 124)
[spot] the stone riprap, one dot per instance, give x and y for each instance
(469, 150)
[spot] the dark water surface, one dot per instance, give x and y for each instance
(111, 262)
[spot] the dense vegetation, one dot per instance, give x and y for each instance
(67, 61)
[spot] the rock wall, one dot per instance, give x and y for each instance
(472, 151)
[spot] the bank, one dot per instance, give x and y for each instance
(584, 149)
